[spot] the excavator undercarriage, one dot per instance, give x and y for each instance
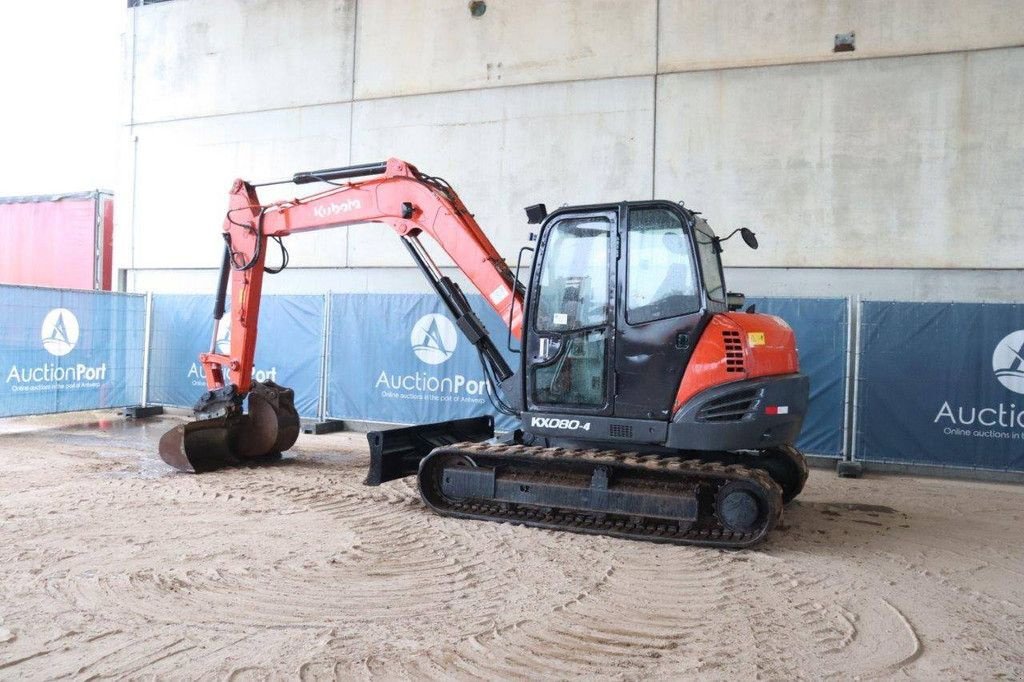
(722, 499)
(607, 492)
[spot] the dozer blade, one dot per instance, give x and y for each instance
(396, 453)
(270, 427)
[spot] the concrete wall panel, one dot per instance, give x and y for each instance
(505, 149)
(417, 46)
(202, 57)
(184, 171)
(909, 162)
(697, 34)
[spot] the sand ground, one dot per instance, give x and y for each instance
(113, 566)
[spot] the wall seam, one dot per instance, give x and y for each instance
(352, 91)
(352, 111)
(577, 80)
(654, 103)
(825, 59)
(134, 136)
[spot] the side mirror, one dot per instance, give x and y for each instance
(749, 238)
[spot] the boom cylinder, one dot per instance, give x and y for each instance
(341, 173)
(222, 294)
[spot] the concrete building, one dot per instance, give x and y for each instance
(894, 170)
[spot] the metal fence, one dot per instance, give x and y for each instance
(908, 383)
(64, 350)
(941, 384)
(291, 350)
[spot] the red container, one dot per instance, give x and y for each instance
(62, 240)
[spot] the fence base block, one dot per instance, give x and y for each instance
(848, 469)
(141, 412)
(318, 428)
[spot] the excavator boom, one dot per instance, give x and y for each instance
(413, 205)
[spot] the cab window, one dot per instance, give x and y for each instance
(661, 279)
(574, 277)
(710, 263)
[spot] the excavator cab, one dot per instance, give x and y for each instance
(617, 295)
(627, 322)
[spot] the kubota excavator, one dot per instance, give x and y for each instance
(651, 407)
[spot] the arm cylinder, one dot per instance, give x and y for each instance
(358, 171)
(222, 284)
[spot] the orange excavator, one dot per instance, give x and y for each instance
(650, 406)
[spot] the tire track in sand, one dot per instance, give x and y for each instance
(365, 557)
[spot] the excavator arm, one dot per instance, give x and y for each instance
(412, 204)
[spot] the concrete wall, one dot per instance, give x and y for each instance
(894, 169)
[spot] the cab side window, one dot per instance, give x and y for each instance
(660, 273)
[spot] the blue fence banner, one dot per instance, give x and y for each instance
(289, 350)
(398, 358)
(64, 350)
(941, 384)
(821, 326)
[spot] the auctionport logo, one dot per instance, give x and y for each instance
(992, 421)
(1008, 361)
(59, 334)
(433, 338)
(224, 338)
(60, 331)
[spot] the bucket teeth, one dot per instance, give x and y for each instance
(270, 427)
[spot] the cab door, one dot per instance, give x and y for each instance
(571, 312)
(662, 309)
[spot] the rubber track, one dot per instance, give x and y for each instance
(705, 532)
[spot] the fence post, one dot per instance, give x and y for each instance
(147, 339)
(847, 384)
(321, 412)
(849, 466)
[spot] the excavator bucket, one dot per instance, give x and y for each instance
(396, 453)
(270, 427)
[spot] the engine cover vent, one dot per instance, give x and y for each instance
(731, 407)
(733, 351)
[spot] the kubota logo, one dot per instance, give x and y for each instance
(1008, 361)
(60, 331)
(336, 208)
(433, 338)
